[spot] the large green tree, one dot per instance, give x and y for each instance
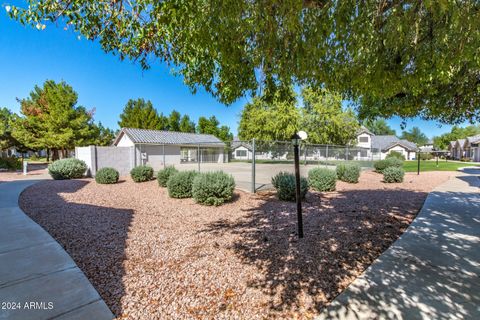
(102, 136)
(142, 115)
(211, 126)
(6, 127)
(174, 120)
(51, 119)
(415, 135)
(407, 58)
(324, 119)
(379, 127)
(186, 125)
(269, 120)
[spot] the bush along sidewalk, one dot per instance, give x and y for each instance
(67, 169)
(389, 162)
(322, 179)
(213, 188)
(284, 183)
(141, 173)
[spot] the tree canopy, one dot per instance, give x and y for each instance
(51, 119)
(321, 116)
(142, 115)
(379, 127)
(441, 142)
(407, 58)
(415, 135)
(212, 126)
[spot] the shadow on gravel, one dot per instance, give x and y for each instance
(344, 233)
(72, 225)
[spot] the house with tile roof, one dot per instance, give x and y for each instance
(384, 144)
(465, 148)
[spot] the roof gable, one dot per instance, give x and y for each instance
(387, 142)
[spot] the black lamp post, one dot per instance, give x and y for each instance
(301, 135)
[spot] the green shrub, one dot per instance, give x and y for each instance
(393, 174)
(466, 159)
(67, 169)
(180, 184)
(395, 154)
(322, 179)
(141, 173)
(213, 188)
(348, 172)
(164, 174)
(284, 183)
(389, 162)
(107, 176)
(10, 163)
(426, 156)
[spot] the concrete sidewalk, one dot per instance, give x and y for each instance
(38, 279)
(432, 271)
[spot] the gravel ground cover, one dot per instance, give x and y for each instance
(18, 175)
(152, 257)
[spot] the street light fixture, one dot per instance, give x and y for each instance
(297, 137)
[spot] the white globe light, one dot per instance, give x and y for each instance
(302, 134)
(8, 8)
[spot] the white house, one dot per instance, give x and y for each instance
(465, 148)
(382, 145)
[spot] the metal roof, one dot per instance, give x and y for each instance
(144, 136)
(387, 142)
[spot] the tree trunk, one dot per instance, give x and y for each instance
(48, 154)
(54, 154)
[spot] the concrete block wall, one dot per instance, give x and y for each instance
(120, 158)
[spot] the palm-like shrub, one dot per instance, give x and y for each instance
(348, 172)
(164, 174)
(213, 188)
(284, 183)
(393, 174)
(180, 184)
(107, 176)
(67, 169)
(141, 173)
(322, 179)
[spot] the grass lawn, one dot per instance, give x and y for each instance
(431, 165)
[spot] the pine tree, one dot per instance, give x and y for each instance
(174, 121)
(186, 125)
(142, 115)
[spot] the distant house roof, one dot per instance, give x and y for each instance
(387, 142)
(473, 139)
(363, 129)
(143, 136)
(237, 144)
(461, 142)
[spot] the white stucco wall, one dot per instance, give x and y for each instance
(125, 142)
(408, 154)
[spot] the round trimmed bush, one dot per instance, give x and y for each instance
(348, 172)
(141, 173)
(284, 183)
(10, 163)
(322, 179)
(393, 174)
(180, 184)
(213, 188)
(107, 176)
(67, 169)
(164, 174)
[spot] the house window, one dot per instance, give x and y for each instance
(363, 139)
(241, 153)
(363, 153)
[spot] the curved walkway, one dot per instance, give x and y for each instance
(38, 279)
(432, 271)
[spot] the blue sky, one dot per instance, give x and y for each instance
(29, 57)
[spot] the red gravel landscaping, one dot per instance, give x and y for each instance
(152, 257)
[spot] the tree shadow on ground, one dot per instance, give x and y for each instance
(100, 257)
(432, 271)
(344, 233)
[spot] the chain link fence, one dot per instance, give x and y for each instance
(253, 163)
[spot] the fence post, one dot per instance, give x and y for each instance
(163, 155)
(346, 155)
(326, 156)
(253, 188)
(198, 157)
(305, 154)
